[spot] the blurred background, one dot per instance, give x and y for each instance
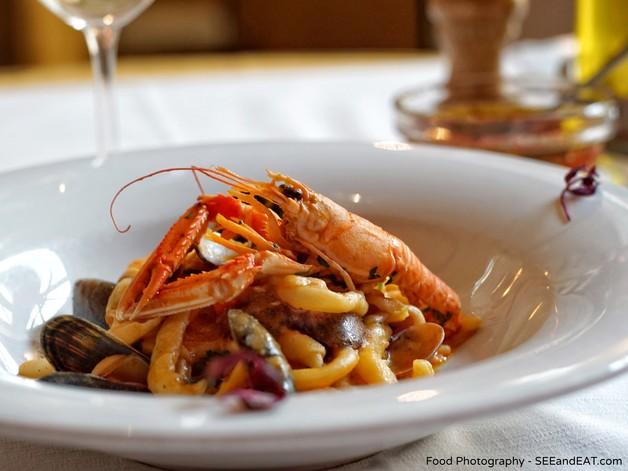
(30, 35)
(222, 70)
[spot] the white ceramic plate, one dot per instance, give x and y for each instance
(552, 296)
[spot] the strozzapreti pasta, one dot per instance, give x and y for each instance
(268, 289)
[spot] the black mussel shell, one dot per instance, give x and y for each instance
(85, 380)
(249, 333)
(89, 300)
(74, 344)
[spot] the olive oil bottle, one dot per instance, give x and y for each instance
(602, 30)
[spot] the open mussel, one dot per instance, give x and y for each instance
(249, 333)
(68, 378)
(90, 298)
(74, 344)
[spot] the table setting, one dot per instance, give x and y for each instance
(536, 249)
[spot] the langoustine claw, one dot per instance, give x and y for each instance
(164, 260)
(204, 289)
(220, 285)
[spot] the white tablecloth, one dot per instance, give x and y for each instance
(45, 123)
(39, 124)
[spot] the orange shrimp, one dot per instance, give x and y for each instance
(358, 250)
(152, 293)
(217, 286)
(352, 244)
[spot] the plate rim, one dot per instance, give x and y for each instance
(411, 415)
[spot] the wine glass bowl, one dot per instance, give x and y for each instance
(81, 14)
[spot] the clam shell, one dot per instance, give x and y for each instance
(90, 381)
(213, 252)
(89, 300)
(418, 342)
(74, 344)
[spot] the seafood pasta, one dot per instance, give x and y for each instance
(267, 289)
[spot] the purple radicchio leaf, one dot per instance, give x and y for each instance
(579, 181)
(250, 399)
(265, 382)
(572, 173)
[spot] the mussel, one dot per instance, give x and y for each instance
(74, 345)
(249, 333)
(90, 298)
(68, 378)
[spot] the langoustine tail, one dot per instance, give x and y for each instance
(424, 289)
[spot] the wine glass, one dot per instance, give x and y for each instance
(101, 22)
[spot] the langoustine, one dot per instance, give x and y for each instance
(289, 216)
(335, 297)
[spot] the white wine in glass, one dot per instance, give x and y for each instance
(101, 22)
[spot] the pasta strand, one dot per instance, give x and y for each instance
(301, 349)
(162, 373)
(306, 379)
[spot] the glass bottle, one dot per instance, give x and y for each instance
(602, 30)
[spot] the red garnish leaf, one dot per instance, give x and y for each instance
(265, 386)
(579, 181)
(250, 399)
(572, 173)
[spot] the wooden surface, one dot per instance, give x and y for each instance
(36, 36)
(307, 24)
(30, 34)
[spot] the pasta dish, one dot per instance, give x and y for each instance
(267, 289)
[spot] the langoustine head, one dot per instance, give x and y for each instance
(298, 206)
(299, 215)
(295, 212)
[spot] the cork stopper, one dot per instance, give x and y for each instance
(472, 34)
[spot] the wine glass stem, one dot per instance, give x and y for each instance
(102, 43)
